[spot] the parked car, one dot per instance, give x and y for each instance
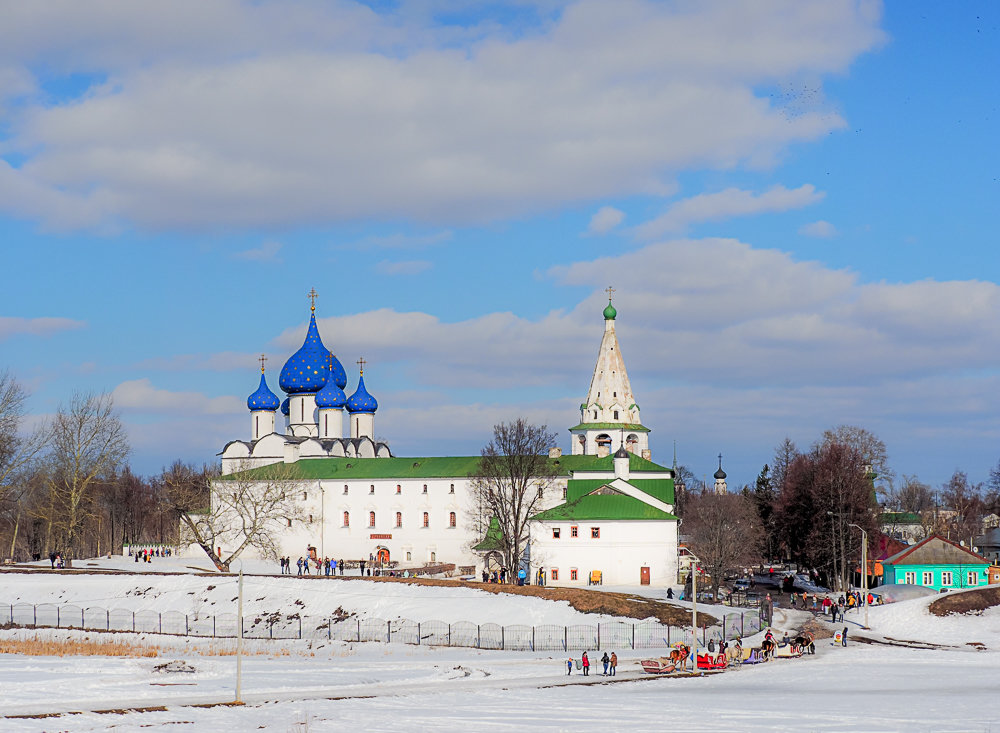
(742, 584)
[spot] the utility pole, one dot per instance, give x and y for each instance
(239, 640)
(694, 613)
(864, 569)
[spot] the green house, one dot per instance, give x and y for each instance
(937, 563)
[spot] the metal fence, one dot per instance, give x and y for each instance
(612, 634)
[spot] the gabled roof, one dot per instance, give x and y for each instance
(900, 518)
(493, 539)
(658, 488)
(936, 550)
(604, 506)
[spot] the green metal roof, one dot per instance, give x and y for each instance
(635, 428)
(662, 489)
(604, 506)
(493, 539)
(900, 518)
(434, 467)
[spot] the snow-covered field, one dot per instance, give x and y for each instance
(297, 685)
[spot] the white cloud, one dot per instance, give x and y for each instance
(725, 205)
(223, 361)
(141, 395)
(403, 267)
(400, 241)
(11, 326)
(821, 228)
(266, 252)
(605, 219)
(249, 114)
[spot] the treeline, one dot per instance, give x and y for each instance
(813, 507)
(65, 483)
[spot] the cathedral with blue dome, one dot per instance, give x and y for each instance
(607, 510)
(314, 411)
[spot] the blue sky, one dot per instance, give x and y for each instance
(794, 201)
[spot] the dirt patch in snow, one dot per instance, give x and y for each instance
(972, 602)
(585, 601)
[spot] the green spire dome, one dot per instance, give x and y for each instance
(610, 312)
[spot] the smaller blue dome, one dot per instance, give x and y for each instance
(286, 407)
(361, 401)
(331, 395)
(263, 398)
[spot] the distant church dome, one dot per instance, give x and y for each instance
(720, 473)
(263, 398)
(361, 401)
(609, 312)
(307, 369)
(331, 395)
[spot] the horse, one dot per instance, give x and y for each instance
(734, 653)
(679, 656)
(768, 648)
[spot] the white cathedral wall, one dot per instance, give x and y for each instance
(623, 548)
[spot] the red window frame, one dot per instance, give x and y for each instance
(595, 533)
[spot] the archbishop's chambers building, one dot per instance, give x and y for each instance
(609, 510)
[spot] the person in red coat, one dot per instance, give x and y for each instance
(586, 665)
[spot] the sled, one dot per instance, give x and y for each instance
(712, 661)
(662, 665)
(755, 657)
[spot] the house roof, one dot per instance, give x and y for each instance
(936, 550)
(658, 488)
(900, 518)
(493, 539)
(604, 506)
(441, 467)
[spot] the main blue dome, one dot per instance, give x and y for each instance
(263, 398)
(361, 401)
(306, 369)
(331, 395)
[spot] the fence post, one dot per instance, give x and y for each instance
(35, 612)
(449, 634)
(187, 628)
(83, 620)
(633, 635)
(161, 623)
(598, 636)
(359, 629)
(532, 638)
(270, 630)
(479, 638)
(59, 621)
(503, 641)
(329, 628)
(300, 627)
(107, 625)
(12, 613)
(388, 632)
(566, 639)
(213, 624)
(418, 633)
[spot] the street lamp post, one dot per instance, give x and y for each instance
(864, 568)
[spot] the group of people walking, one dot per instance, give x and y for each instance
(610, 664)
(835, 609)
(305, 565)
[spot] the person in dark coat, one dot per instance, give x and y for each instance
(605, 660)
(843, 637)
(670, 593)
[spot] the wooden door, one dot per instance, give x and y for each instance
(644, 576)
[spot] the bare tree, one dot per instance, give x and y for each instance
(913, 495)
(871, 449)
(509, 483)
(19, 453)
(965, 500)
(247, 508)
(724, 532)
(89, 446)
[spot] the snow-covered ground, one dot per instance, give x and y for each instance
(295, 685)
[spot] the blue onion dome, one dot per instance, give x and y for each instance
(337, 369)
(361, 401)
(306, 369)
(286, 407)
(263, 398)
(331, 395)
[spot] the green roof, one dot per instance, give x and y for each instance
(635, 428)
(900, 518)
(493, 539)
(662, 489)
(433, 467)
(604, 506)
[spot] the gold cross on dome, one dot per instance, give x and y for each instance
(312, 295)
(609, 290)
(361, 362)
(262, 359)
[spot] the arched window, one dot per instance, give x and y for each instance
(399, 519)
(452, 519)
(347, 519)
(371, 519)
(372, 489)
(616, 414)
(427, 519)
